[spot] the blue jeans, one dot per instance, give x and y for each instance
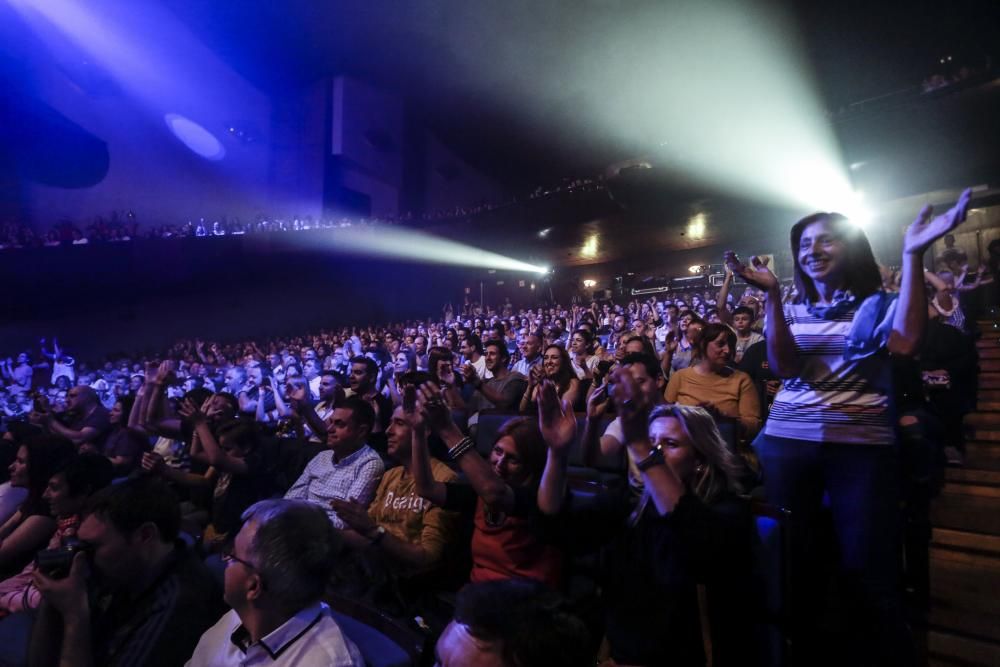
(861, 485)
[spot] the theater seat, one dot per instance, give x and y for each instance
(383, 641)
(773, 567)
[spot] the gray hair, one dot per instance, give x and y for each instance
(721, 469)
(294, 550)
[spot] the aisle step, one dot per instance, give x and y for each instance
(989, 365)
(982, 454)
(987, 342)
(982, 419)
(954, 649)
(988, 395)
(968, 507)
(989, 380)
(992, 352)
(961, 540)
(988, 406)
(968, 475)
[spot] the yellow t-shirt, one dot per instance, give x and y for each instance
(405, 515)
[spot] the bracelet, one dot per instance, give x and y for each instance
(654, 458)
(464, 445)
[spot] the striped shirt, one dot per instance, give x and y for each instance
(354, 477)
(832, 400)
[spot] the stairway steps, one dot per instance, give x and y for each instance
(991, 352)
(986, 342)
(969, 475)
(981, 419)
(987, 365)
(985, 434)
(960, 540)
(988, 406)
(982, 454)
(989, 380)
(958, 650)
(992, 395)
(969, 507)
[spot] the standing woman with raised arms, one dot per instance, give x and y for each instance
(831, 429)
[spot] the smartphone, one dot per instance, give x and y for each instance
(409, 398)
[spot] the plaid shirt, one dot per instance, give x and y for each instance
(355, 477)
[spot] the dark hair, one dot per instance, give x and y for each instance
(87, 474)
(138, 501)
(528, 442)
(501, 347)
(243, 434)
(234, 404)
(588, 337)
(361, 411)
(647, 345)
(530, 624)
(861, 275)
(294, 549)
(475, 342)
(197, 396)
(127, 401)
(745, 310)
(47, 455)
(565, 374)
(371, 368)
(649, 361)
(710, 333)
(436, 355)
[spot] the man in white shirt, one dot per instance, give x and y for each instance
(472, 354)
(276, 573)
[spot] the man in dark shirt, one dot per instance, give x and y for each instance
(149, 597)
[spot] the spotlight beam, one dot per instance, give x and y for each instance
(411, 245)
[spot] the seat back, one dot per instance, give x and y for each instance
(773, 559)
(382, 640)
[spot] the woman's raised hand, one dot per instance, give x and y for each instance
(757, 274)
(926, 230)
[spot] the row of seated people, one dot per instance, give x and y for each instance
(118, 585)
(406, 536)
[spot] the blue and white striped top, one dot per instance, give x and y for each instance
(832, 399)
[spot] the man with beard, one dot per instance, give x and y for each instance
(502, 392)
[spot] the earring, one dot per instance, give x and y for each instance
(700, 468)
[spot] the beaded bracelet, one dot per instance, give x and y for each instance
(464, 445)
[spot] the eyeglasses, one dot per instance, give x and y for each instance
(229, 557)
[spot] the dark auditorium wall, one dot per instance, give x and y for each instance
(109, 297)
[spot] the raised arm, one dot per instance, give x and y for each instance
(722, 301)
(782, 356)
(486, 483)
(910, 319)
(420, 462)
(558, 426)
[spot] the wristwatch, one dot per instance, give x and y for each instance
(379, 535)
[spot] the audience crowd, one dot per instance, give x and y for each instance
(586, 479)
